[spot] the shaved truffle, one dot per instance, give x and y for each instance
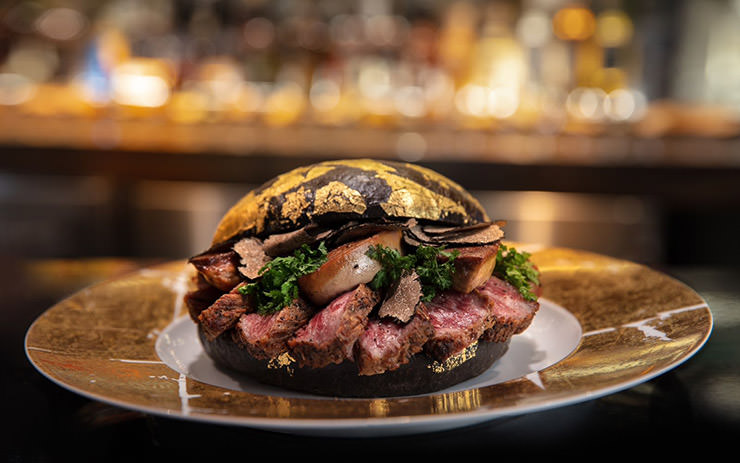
(252, 256)
(433, 230)
(353, 231)
(482, 236)
(403, 299)
(475, 235)
(281, 244)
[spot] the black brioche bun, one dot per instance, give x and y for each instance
(335, 192)
(356, 189)
(421, 375)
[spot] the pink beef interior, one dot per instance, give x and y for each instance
(452, 312)
(505, 302)
(381, 336)
(386, 345)
(254, 326)
(324, 325)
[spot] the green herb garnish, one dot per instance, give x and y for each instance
(393, 265)
(434, 275)
(515, 267)
(278, 283)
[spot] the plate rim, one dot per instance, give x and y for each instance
(448, 418)
(335, 423)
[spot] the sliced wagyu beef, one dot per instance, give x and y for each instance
(458, 320)
(223, 314)
(331, 334)
(386, 344)
(266, 336)
(511, 312)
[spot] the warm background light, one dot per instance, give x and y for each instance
(539, 67)
(574, 23)
(141, 82)
(613, 28)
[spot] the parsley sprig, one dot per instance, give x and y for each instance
(277, 286)
(434, 276)
(516, 268)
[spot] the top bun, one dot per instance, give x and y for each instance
(352, 189)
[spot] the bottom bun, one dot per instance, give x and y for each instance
(420, 375)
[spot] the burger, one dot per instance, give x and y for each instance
(360, 278)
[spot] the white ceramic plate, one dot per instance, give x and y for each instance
(604, 325)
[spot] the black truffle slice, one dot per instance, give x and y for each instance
(252, 257)
(402, 299)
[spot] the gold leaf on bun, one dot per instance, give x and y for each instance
(353, 189)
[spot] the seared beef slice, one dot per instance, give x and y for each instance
(265, 336)
(511, 312)
(458, 320)
(330, 335)
(224, 313)
(386, 344)
(218, 268)
(201, 297)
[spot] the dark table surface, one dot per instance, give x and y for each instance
(695, 406)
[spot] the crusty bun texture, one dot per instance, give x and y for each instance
(353, 189)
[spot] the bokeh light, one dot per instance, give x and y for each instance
(534, 28)
(141, 82)
(530, 66)
(15, 89)
(613, 28)
(61, 23)
(574, 23)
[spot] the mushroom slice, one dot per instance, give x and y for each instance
(473, 267)
(346, 267)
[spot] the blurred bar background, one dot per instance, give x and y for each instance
(128, 127)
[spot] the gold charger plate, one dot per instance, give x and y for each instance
(636, 323)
